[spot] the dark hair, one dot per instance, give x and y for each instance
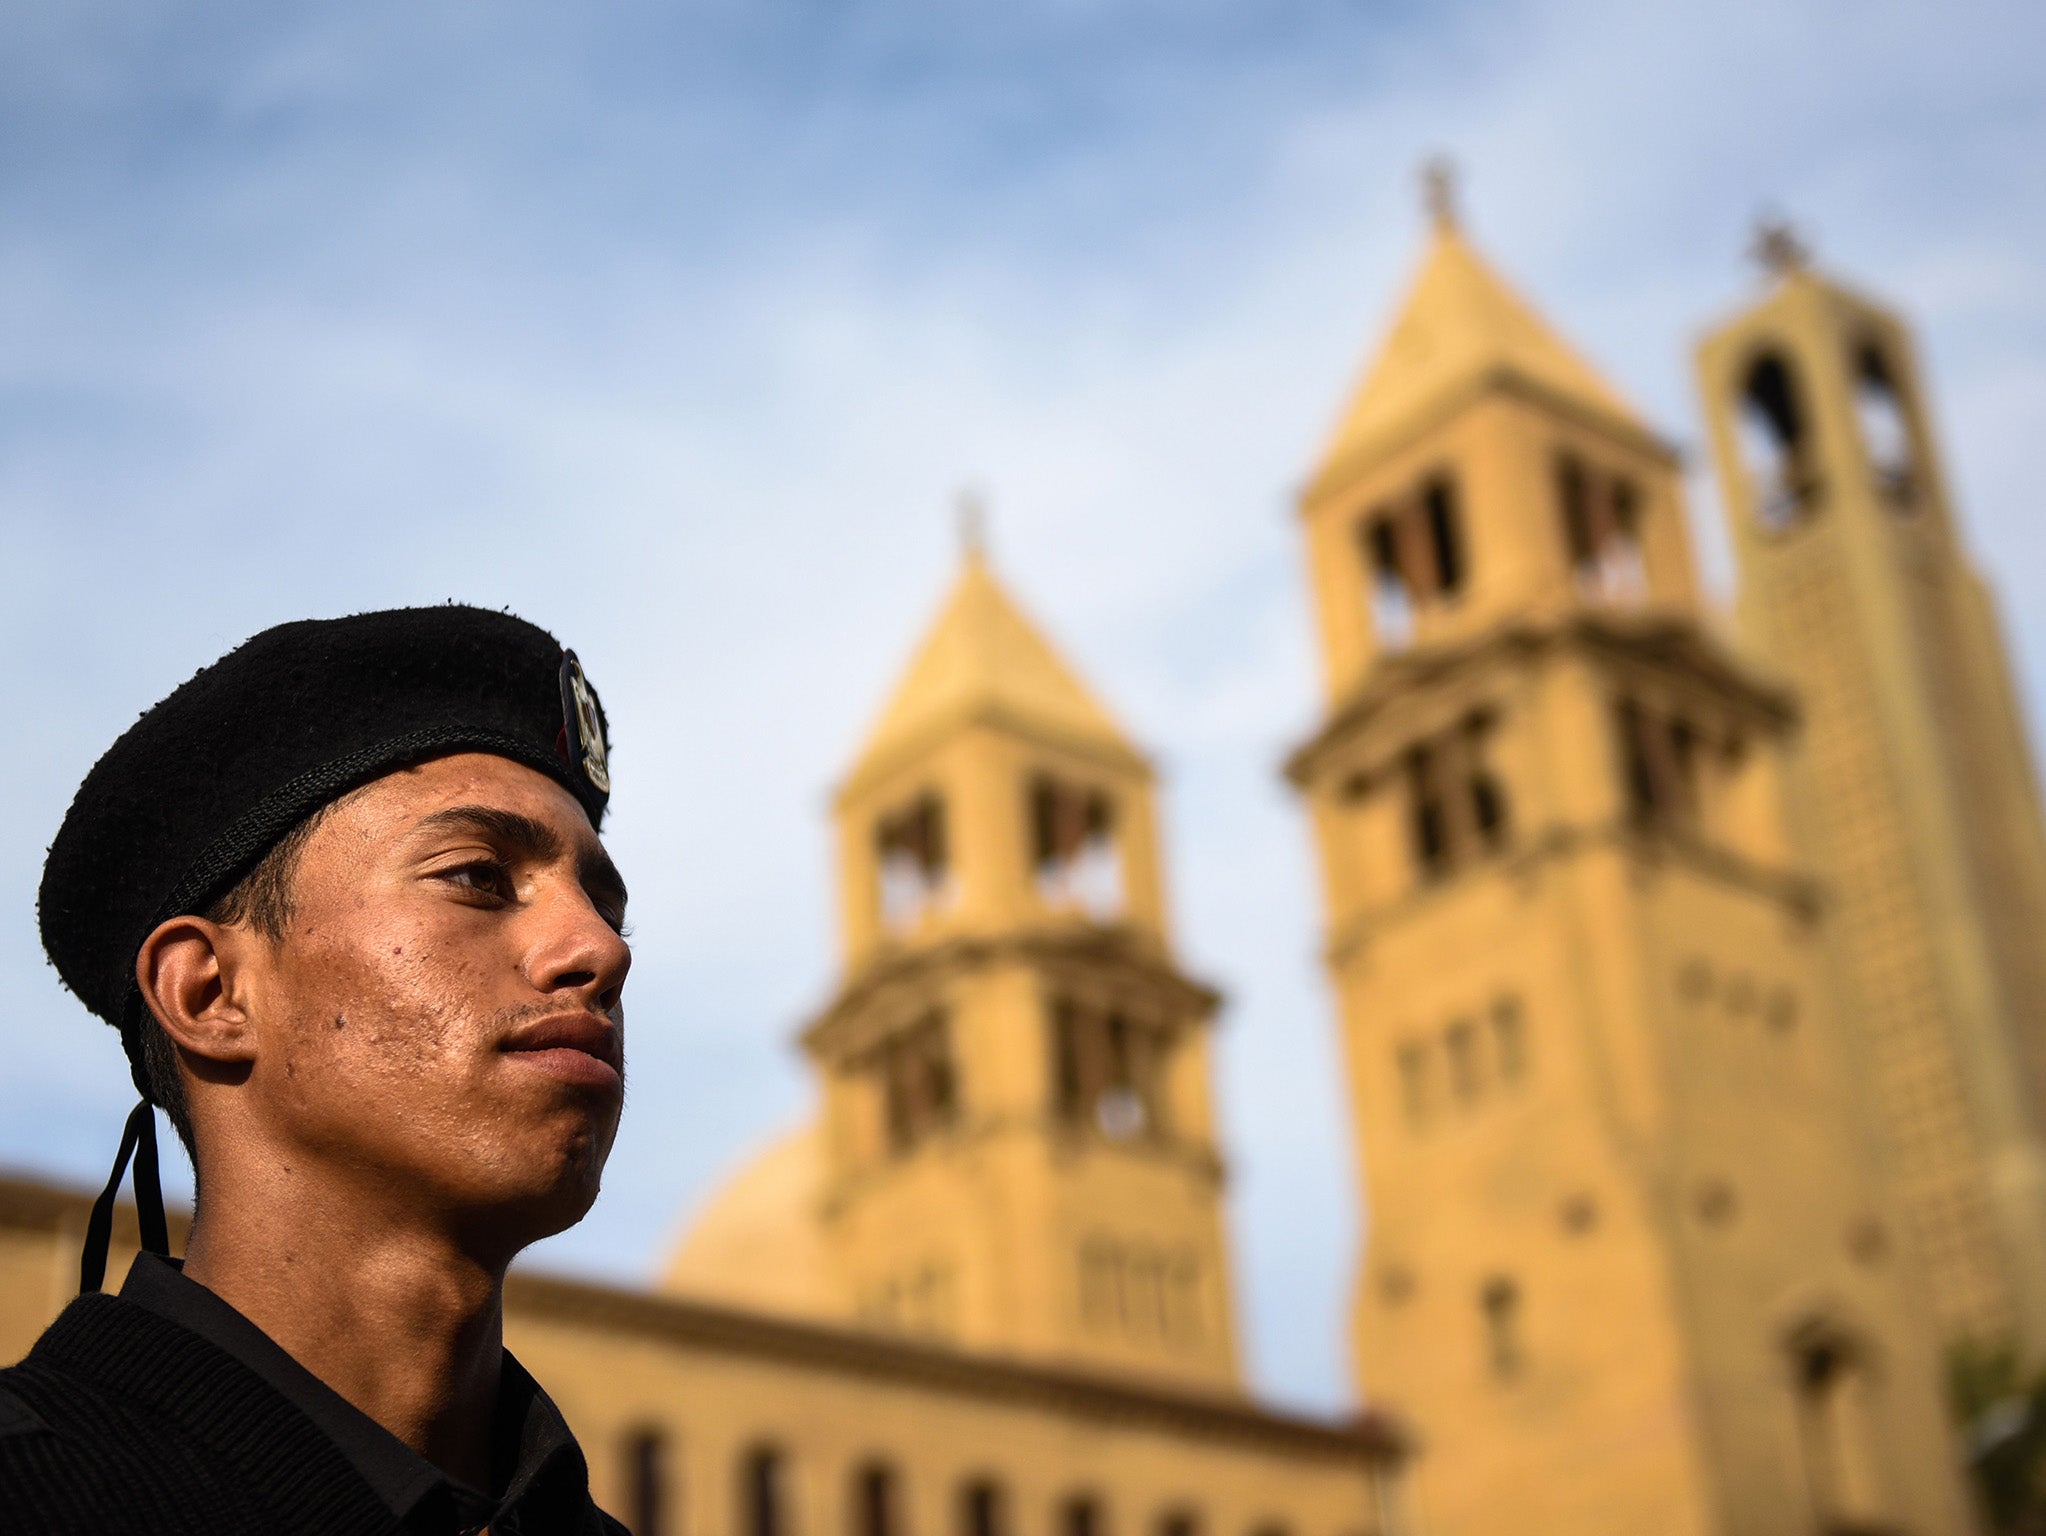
(261, 900)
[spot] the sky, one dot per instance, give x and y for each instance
(679, 328)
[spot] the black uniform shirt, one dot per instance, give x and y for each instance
(66, 1463)
(531, 1450)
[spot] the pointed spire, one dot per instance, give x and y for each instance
(984, 660)
(1461, 324)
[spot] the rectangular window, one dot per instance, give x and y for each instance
(1184, 1321)
(1108, 1069)
(1080, 1515)
(763, 1493)
(1073, 848)
(646, 1480)
(1445, 533)
(914, 861)
(1414, 555)
(1427, 815)
(1660, 759)
(1069, 1085)
(1461, 1042)
(1487, 795)
(1509, 1039)
(919, 1088)
(1500, 1303)
(1413, 1069)
(1573, 501)
(984, 1508)
(1100, 1303)
(875, 1500)
(1637, 769)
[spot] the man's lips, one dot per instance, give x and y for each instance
(579, 1047)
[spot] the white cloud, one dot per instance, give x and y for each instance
(682, 349)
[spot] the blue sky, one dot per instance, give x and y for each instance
(677, 327)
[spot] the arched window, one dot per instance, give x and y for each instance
(650, 1498)
(1886, 435)
(877, 1500)
(763, 1492)
(1835, 1422)
(1775, 440)
(983, 1508)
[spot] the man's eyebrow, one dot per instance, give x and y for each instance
(535, 840)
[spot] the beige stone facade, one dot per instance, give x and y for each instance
(702, 1421)
(1687, 986)
(1631, 1266)
(1912, 786)
(1015, 1149)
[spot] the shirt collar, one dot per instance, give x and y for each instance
(534, 1458)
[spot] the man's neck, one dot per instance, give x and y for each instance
(397, 1320)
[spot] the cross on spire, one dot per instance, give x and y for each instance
(971, 510)
(1438, 192)
(1779, 247)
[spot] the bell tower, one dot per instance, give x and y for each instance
(1912, 789)
(1020, 1147)
(1625, 1271)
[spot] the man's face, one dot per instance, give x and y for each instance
(442, 1018)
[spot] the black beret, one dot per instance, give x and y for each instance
(203, 785)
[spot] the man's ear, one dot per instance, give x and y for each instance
(189, 971)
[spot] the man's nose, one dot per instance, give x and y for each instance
(581, 952)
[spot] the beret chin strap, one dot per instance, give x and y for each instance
(138, 1140)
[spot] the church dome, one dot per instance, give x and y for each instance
(757, 1242)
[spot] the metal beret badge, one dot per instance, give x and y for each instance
(581, 727)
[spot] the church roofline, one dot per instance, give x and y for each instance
(1356, 459)
(31, 1203)
(1075, 942)
(1655, 637)
(1372, 1433)
(918, 746)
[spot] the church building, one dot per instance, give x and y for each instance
(1684, 967)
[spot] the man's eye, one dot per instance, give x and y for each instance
(486, 876)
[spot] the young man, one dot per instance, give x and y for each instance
(342, 894)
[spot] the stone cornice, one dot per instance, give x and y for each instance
(27, 1203)
(1100, 750)
(1658, 639)
(1368, 1437)
(1338, 474)
(1083, 944)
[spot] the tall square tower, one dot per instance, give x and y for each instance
(1911, 788)
(1626, 1270)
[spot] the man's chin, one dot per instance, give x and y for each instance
(547, 1192)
